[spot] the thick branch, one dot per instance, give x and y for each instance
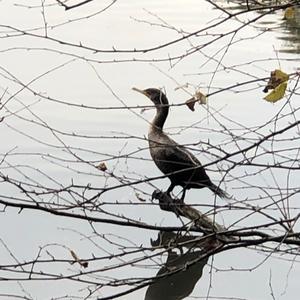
(200, 220)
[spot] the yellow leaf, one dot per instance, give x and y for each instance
(277, 93)
(289, 13)
(280, 75)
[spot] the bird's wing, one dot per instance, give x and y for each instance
(180, 155)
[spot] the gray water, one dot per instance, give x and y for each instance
(102, 82)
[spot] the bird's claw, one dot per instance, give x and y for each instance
(156, 195)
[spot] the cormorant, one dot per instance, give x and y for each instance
(174, 160)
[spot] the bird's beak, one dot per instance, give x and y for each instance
(141, 91)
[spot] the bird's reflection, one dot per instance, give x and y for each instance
(183, 268)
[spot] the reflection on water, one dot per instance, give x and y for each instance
(286, 27)
(291, 33)
(178, 276)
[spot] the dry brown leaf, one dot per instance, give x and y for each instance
(277, 77)
(191, 103)
(78, 260)
(198, 97)
(102, 167)
(139, 197)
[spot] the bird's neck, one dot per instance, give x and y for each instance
(160, 117)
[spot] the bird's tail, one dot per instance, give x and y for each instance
(218, 191)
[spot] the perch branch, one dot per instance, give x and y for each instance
(200, 220)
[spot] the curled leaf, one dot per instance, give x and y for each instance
(191, 103)
(277, 77)
(78, 260)
(138, 196)
(198, 97)
(102, 167)
(277, 93)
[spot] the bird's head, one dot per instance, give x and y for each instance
(155, 95)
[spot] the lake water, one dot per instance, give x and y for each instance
(73, 108)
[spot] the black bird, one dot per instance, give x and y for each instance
(174, 160)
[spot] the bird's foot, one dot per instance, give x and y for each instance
(180, 200)
(157, 194)
(166, 202)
